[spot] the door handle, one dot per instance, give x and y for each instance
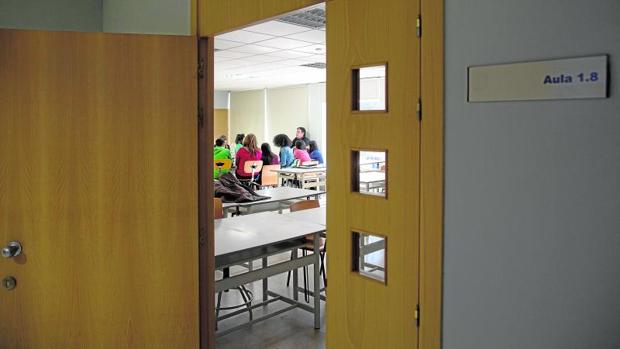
(12, 249)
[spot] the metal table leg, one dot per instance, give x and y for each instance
(317, 281)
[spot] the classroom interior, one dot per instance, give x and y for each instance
(269, 82)
(510, 212)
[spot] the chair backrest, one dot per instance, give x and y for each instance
(218, 211)
(253, 167)
(222, 164)
(268, 177)
(304, 205)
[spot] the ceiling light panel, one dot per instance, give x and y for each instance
(245, 36)
(276, 28)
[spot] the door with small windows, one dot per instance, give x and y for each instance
(373, 88)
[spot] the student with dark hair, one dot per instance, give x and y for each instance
(225, 139)
(300, 134)
(315, 153)
(286, 153)
(220, 153)
(239, 141)
(269, 158)
(248, 152)
(300, 153)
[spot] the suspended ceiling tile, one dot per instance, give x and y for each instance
(283, 43)
(244, 36)
(314, 58)
(315, 49)
(276, 28)
(313, 36)
(231, 54)
(221, 44)
(288, 54)
(255, 49)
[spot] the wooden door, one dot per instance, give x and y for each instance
(363, 312)
(98, 181)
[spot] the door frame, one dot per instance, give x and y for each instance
(210, 18)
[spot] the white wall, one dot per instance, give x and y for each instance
(287, 108)
(532, 189)
(220, 100)
(247, 114)
(147, 16)
(72, 15)
(317, 115)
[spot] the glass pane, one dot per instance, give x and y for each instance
(369, 172)
(370, 89)
(369, 256)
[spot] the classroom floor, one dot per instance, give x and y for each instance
(292, 329)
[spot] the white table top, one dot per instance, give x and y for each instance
(277, 194)
(314, 215)
(260, 229)
(301, 169)
(371, 177)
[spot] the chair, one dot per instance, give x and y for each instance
(309, 246)
(268, 177)
(220, 165)
(246, 295)
(252, 167)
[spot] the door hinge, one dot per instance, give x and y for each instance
(418, 109)
(418, 26)
(416, 315)
(201, 117)
(202, 237)
(201, 68)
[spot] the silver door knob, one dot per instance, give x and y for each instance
(13, 249)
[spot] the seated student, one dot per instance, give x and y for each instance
(286, 153)
(269, 158)
(219, 153)
(315, 153)
(300, 153)
(248, 152)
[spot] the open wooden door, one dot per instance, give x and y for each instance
(373, 225)
(98, 182)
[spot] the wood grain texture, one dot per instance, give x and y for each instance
(220, 16)
(98, 181)
(206, 91)
(432, 175)
(362, 313)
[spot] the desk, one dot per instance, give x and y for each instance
(258, 236)
(277, 195)
(372, 180)
(308, 177)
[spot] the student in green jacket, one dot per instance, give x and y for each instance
(220, 153)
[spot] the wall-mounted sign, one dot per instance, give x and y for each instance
(571, 78)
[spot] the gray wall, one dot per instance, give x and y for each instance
(147, 16)
(73, 15)
(532, 205)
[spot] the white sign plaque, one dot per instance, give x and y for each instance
(570, 78)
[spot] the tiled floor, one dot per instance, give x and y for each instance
(292, 329)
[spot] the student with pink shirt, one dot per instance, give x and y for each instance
(300, 153)
(248, 152)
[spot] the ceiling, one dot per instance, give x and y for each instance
(271, 54)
